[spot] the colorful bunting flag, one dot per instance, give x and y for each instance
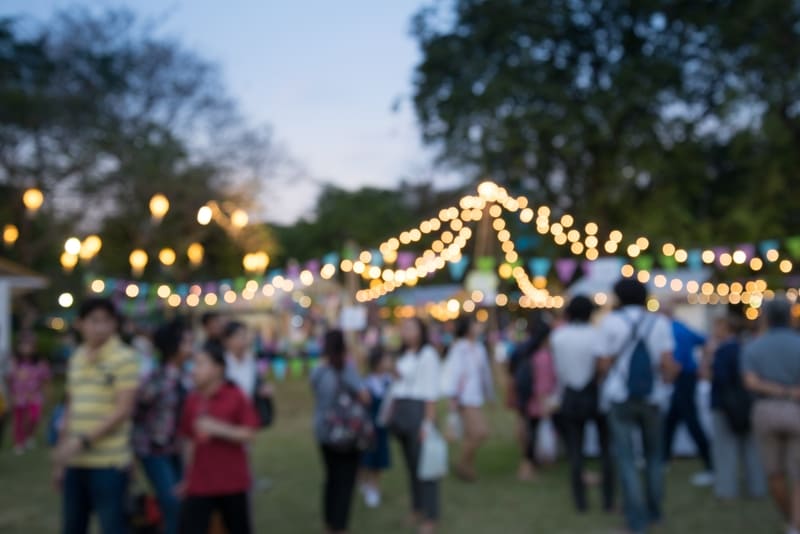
(540, 266)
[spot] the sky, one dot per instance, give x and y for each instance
(324, 74)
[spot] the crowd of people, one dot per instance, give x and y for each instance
(188, 419)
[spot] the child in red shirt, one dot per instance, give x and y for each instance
(27, 380)
(217, 421)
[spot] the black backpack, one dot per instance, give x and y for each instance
(641, 377)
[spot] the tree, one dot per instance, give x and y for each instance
(678, 118)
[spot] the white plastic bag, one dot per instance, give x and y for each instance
(454, 427)
(433, 457)
(546, 442)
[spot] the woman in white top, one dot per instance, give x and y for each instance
(414, 397)
(467, 382)
(575, 349)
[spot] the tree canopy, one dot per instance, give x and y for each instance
(679, 119)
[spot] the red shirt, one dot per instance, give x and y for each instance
(219, 467)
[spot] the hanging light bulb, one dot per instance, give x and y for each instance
(138, 260)
(239, 218)
(33, 199)
(10, 235)
(159, 206)
(167, 256)
(204, 215)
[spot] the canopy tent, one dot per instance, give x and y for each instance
(14, 280)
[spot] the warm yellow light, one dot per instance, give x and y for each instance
(415, 234)
(174, 300)
(359, 267)
(653, 305)
(328, 271)
(643, 276)
(167, 256)
(504, 270)
(307, 278)
(692, 286)
(453, 306)
(192, 300)
(785, 266)
(659, 280)
(633, 250)
(10, 234)
(501, 299)
(573, 236)
(756, 264)
(591, 228)
(469, 306)
(204, 215)
(33, 199)
(163, 291)
(610, 247)
(495, 211)
(159, 206)
(739, 257)
(499, 224)
(138, 260)
(526, 215)
(567, 220)
(437, 246)
(90, 247)
(592, 254)
(195, 253)
(681, 255)
(346, 266)
(600, 299)
(539, 282)
(239, 218)
(591, 241)
(66, 300)
(772, 255)
(615, 236)
(68, 261)
(132, 291)
(627, 270)
(676, 284)
(268, 290)
(725, 259)
(723, 289)
(98, 286)
(642, 243)
(577, 248)
(668, 249)
(751, 313)
(708, 256)
(477, 296)
(210, 299)
(72, 246)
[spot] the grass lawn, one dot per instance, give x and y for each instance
(496, 504)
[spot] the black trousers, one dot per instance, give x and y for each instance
(341, 469)
(424, 493)
(531, 438)
(234, 508)
(572, 430)
(683, 408)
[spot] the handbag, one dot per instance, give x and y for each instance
(546, 442)
(433, 455)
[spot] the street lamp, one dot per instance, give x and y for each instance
(33, 199)
(10, 235)
(138, 261)
(167, 257)
(159, 206)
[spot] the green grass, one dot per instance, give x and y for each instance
(496, 504)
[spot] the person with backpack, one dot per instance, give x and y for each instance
(771, 367)
(574, 348)
(341, 426)
(731, 406)
(636, 348)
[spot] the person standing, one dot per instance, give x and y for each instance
(414, 397)
(683, 403)
(93, 456)
(771, 367)
(378, 458)
(217, 421)
(332, 378)
(213, 330)
(575, 350)
(27, 380)
(155, 422)
(636, 348)
(734, 443)
(467, 382)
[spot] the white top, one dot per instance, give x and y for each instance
(242, 372)
(575, 348)
(616, 332)
(419, 375)
(466, 374)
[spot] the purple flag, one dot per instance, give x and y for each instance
(749, 249)
(565, 268)
(405, 259)
(719, 251)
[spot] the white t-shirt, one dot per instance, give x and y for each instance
(420, 376)
(242, 372)
(575, 348)
(466, 374)
(616, 332)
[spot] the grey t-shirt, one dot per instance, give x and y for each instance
(775, 357)
(324, 385)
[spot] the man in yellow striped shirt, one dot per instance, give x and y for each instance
(93, 457)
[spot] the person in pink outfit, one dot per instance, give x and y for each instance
(27, 380)
(540, 404)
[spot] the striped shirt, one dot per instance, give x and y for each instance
(92, 387)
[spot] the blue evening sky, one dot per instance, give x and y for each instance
(323, 73)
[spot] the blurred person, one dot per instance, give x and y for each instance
(636, 351)
(771, 367)
(334, 377)
(378, 458)
(27, 380)
(683, 402)
(575, 351)
(731, 406)
(155, 423)
(217, 422)
(213, 330)
(414, 397)
(93, 456)
(467, 382)
(519, 393)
